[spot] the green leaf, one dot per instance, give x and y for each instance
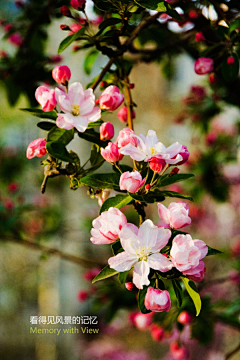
(94, 124)
(193, 293)
(106, 6)
(57, 134)
(161, 7)
(234, 25)
(168, 180)
(175, 194)
(212, 251)
(89, 61)
(150, 198)
(148, 4)
(117, 201)
(91, 135)
(122, 277)
(46, 125)
(141, 297)
(172, 12)
(230, 72)
(109, 22)
(58, 150)
(104, 274)
(102, 181)
(41, 114)
(117, 247)
(69, 40)
(178, 291)
(96, 156)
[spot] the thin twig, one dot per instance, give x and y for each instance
(129, 101)
(233, 352)
(103, 72)
(52, 251)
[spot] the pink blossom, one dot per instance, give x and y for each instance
(111, 98)
(178, 352)
(78, 107)
(46, 98)
(157, 164)
(107, 226)
(185, 155)
(184, 318)
(149, 147)
(199, 37)
(157, 300)
(123, 114)
(141, 321)
(78, 4)
(75, 28)
(176, 215)
(111, 153)
(106, 131)
(125, 137)
(203, 66)
(61, 74)
(16, 39)
(36, 148)
(141, 250)
(157, 332)
(186, 254)
(131, 181)
(129, 286)
(65, 11)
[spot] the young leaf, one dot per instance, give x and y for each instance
(117, 247)
(94, 124)
(234, 25)
(122, 276)
(57, 134)
(46, 125)
(96, 156)
(41, 114)
(89, 61)
(193, 293)
(178, 291)
(69, 40)
(212, 251)
(109, 22)
(57, 149)
(175, 194)
(141, 297)
(104, 274)
(117, 201)
(148, 4)
(151, 197)
(102, 181)
(168, 180)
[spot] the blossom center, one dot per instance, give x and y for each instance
(75, 109)
(153, 151)
(143, 252)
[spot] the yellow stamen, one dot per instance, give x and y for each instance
(75, 109)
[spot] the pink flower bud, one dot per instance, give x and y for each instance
(78, 4)
(46, 98)
(107, 226)
(157, 332)
(131, 86)
(9, 205)
(106, 131)
(213, 79)
(203, 66)
(131, 181)
(74, 28)
(230, 60)
(126, 136)
(61, 74)
(111, 98)
(64, 27)
(185, 155)
(55, 58)
(129, 286)
(89, 275)
(111, 153)
(122, 114)
(174, 171)
(157, 300)
(16, 39)
(193, 14)
(36, 148)
(211, 138)
(199, 37)
(184, 318)
(234, 276)
(13, 187)
(178, 352)
(65, 11)
(156, 164)
(147, 187)
(83, 295)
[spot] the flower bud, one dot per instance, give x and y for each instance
(111, 98)
(199, 37)
(131, 86)
(126, 136)
(147, 187)
(178, 352)
(83, 295)
(16, 39)
(123, 114)
(55, 58)
(103, 84)
(184, 318)
(174, 171)
(13, 187)
(156, 164)
(129, 286)
(65, 11)
(78, 4)
(157, 333)
(230, 60)
(111, 153)
(36, 148)
(203, 66)
(74, 28)
(131, 181)
(46, 98)
(157, 300)
(89, 275)
(106, 131)
(61, 74)
(213, 79)
(64, 27)
(9, 204)
(141, 321)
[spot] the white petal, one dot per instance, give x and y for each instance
(151, 139)
(122, 262)
(63, 100)
(148, 233)
(94, 115)
(65, 121)
(80, 123)
(133, 152)
(75, 93)
(88, 102)
(140, 274)
(174, 149)
(162, 238)
(159, 262)
(129, 239)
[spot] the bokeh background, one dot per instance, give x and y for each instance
(34, 283)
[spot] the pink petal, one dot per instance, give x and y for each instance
(159, 262)
(163, 213)
(122, 262)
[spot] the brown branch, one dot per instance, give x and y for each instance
(233, 352)
(103, 72)
(51, 251)
(129, 101)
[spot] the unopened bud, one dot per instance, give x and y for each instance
(230, 60)
(174, 171)
(131, 86)
(129, 286)
(64, 27)
(65, 11)
(103, 84)
(147, 187)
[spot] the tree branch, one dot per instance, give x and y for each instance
(103, 72)
(233, 352)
